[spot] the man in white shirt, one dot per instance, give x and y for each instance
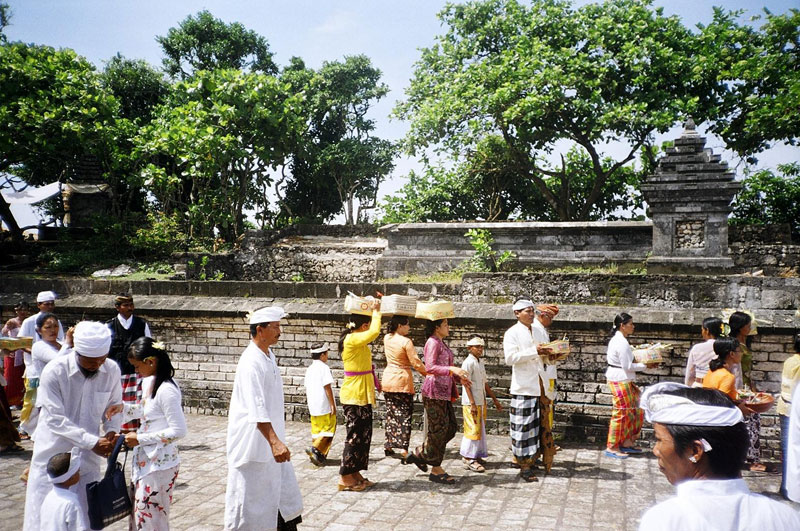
(46, 302)
(125, 329)
(262, 491)
(75, 393)
(527, 362)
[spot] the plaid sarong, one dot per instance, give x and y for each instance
(131, 394)
(626, 417)
(524, 428)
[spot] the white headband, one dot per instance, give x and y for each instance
(320, 350)
(475, 342)
(74, 466)
(270, 314)
(672, 409)
(522, 304)
(45, 296)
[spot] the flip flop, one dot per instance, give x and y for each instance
(475, 466)
(528, 475)
(358, 487)
(367, 483)
(417, 461)
(630, 450)
(443, 478)
(615, 455)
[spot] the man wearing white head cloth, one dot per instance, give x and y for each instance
(527, 362)
(701, 444)
(46, 302)
(79, 396)
(262, 491)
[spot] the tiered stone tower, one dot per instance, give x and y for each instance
(689, 198)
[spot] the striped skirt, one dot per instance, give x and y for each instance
(131, 394)
(524, 422)
(626, 416)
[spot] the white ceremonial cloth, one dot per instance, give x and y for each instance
(43, 353)
(126, 324)
(71, 414)
(793, 452)
(621, 366)
(719, 505)
(318, 375)
(477, 375)
(61, 511)
(519, 350)
(549, 374)
(162, 423)
(28, 329)
(257, 485)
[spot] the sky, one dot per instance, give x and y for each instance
(389, 32)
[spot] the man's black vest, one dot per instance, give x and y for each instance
(121, 339)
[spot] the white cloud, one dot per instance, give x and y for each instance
(337, 23)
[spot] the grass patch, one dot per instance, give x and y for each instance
(610, 269)
(441, 277)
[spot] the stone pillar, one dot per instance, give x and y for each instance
(689, 198)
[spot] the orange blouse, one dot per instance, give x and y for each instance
(401, 357)
(723, 380)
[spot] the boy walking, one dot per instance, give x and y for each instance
(61, 510)
(473, 400)
(321, 404)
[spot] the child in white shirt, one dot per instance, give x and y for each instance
(473, 401)
(321, 404)
(61, 510)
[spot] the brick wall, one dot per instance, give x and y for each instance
(206, 335)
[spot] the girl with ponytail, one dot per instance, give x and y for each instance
(702, 353)
(155, 454)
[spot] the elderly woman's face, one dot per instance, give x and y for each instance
(677, 468)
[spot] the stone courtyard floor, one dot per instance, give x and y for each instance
(585, 490)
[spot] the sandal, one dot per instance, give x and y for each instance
(475, 466)
(367, 483)
(443, 478)
(630, 450)
(528, 475)
(615, 455)
(416, 460)
(358, 487)
(12, 449)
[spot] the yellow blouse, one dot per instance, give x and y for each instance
(357, 357)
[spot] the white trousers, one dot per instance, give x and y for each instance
(255, 493)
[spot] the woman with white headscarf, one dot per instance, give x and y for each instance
(701, 444)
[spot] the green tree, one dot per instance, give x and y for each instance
(203, 42)
(548, 74)
(54, 112)
(5, 19)
(212, 148)
(138, 87)
(337, 157)
(767, 198)
(757, 75)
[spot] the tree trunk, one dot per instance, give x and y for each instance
(10, 220)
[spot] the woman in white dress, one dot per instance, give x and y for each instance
(155, 454)
(42, 353)
(702, 353)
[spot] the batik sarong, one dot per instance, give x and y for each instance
(131, 394)
(358, 421)
(399, 409)
(323, 427)
(442, 428)
(473, 444)
(626, 416)
(29, 414)
(524, 416)
(8, 432)
(152, 500)
(547, 446)
(753, 423)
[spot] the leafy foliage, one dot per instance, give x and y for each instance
(768, 198)
(203, 42)
(486, 258)
(138, 87)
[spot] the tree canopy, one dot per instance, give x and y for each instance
(204, 42)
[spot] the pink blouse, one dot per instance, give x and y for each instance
(439, 383)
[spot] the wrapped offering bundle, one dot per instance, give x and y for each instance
(647, 353)
(399, 305)
(758, 402)
(15, 343)
(559, 347)
(360, 305)
(435, 310)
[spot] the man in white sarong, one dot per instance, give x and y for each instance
(46, 302)
(527, 363)
(75, 392)
(262, 491)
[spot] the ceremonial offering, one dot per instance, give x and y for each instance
(650, 353)
(559, 347)
(758, 402)
(360, 305)
(435, 310)
(16, 343)
(399, 305)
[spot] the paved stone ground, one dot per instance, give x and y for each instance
(585, 490)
